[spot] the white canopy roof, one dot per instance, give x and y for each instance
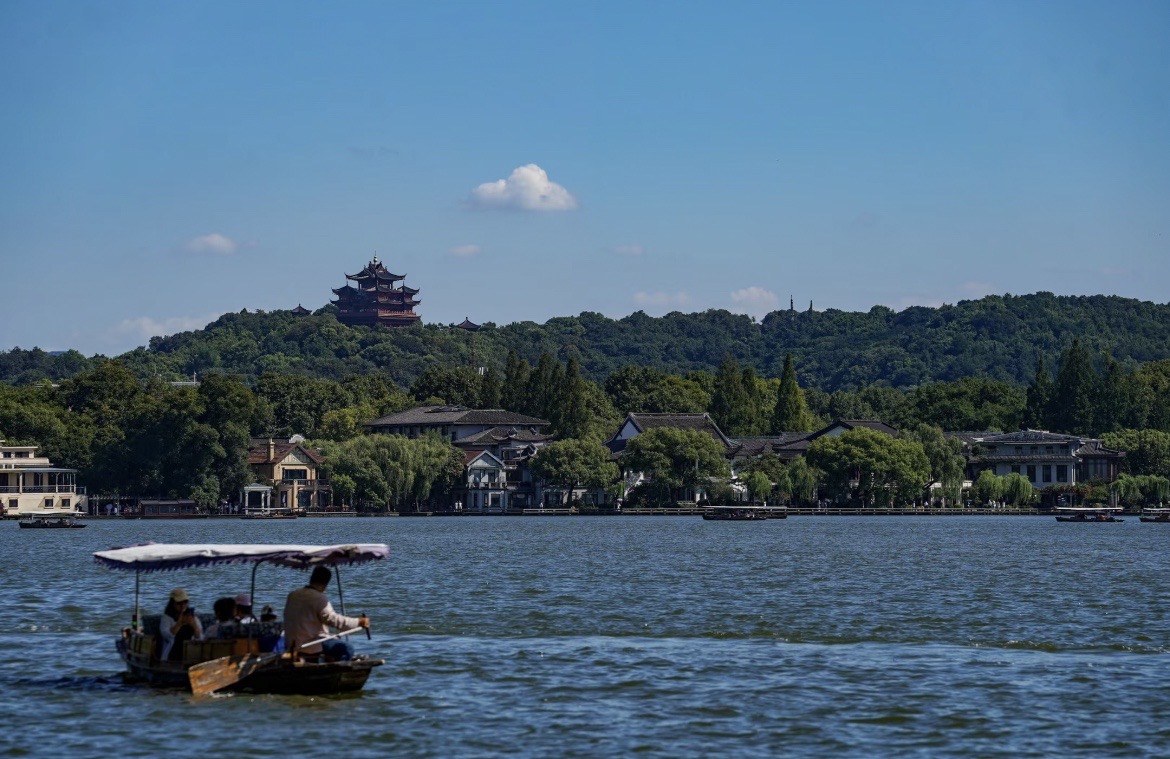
(154, 557)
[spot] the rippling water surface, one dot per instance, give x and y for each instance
(660, 636)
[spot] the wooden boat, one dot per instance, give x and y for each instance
(743, 513)
(1087, 514)
(49, 520)
(1154, 515)
(260, 671)
(270, 515)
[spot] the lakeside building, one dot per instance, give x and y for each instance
(374, 298)
(287, 478)
(1047, 459)
(30, 483)
(498, 447)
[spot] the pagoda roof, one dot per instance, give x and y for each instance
(376, 270)
(468, 325)
(301, 310)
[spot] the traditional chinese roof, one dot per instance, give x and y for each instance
(649, 421)
(377, 271)
(1030, 437)
(468, 325)
(497, 435)
(301, 310)
(852, 424)
(448, 415)
(258, 451)
(757, 446)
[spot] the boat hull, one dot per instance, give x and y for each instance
(49, 526)
(281, 676)
(1088, 519)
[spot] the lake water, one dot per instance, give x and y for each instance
(670, 636)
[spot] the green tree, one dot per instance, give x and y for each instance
(945, 455)
(490, 389)
(871, 465)
(790, 413)
(514, 391)
(758, 485)
(1039, 396)
(1072, 408)
(1146, 451)
(988, 487)
(803, 480)
(572, 464)
(457, 386)
(730, 403)
(1017, 490)
(678, 458)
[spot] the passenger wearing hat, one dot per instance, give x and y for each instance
(244, 609)
(179, 623)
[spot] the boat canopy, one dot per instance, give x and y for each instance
(1089, 509)
(160, 557)
(60, 513)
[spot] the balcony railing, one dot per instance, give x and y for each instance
(41, 489)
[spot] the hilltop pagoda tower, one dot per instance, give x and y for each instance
(374, 299)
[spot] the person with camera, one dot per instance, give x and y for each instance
(179, 623)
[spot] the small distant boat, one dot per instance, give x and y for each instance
(1154, 515)
(270, 515)
(742, 513)
(1087, 514)
(50, 520)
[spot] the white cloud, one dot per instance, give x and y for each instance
(629, 250)
(754, 301)
(659, 299)
(975, 289)
(144, 327)
(527, 189)
(465, 251)
(212, 243)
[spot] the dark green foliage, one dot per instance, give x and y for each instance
(790, 413)
(456, 386)
(1038, 396)
(1072, 409)
(639, 388)
(997, 337)
(732, 405)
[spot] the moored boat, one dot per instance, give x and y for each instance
(1154, 515)
(1088, 514)
(246, 655)
(743, 513)
(50, 520)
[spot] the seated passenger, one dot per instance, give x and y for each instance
(179, 623)
(225, 618)
(244, 609)
(268, 615)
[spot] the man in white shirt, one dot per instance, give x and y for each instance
(308, 615)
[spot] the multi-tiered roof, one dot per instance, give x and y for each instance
(375, 299)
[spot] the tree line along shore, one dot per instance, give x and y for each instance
(190, 439)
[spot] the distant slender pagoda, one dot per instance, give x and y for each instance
(374, 299)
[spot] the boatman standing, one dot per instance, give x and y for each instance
(308, 615)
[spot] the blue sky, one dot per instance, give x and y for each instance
(162, 163)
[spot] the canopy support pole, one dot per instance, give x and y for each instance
(134, 622)
(252, 594)
(340, 592)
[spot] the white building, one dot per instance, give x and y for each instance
(29, 483)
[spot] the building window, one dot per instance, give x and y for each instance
(1019, 449)
(1048, 473)
(296, 474)
(1015, 468)
(1061, 473)
(1048, 449)
(1031, 472)
(48, 503)
(65, 503)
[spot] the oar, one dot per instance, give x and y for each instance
(217, 674)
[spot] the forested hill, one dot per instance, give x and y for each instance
(998, 337)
